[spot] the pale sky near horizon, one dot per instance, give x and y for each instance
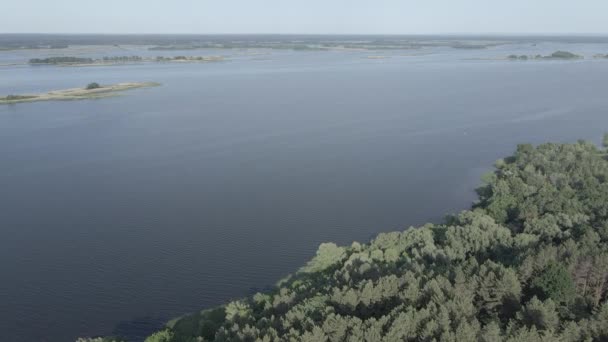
(311, 16)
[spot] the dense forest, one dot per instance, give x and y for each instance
(528, 262)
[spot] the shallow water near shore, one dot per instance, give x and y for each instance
(123, 212)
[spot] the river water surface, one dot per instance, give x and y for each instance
(119, 213)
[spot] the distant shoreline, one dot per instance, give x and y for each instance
(119, 60)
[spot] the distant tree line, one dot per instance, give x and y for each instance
(84, 60)
(122, 59)
(190, 58)
(555, 55)
(61, 60)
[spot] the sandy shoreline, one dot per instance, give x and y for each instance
(77, 93)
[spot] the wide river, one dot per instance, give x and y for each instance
(118, 214)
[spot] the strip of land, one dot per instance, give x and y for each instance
(118, 60)
(557, 55)
(77, 93)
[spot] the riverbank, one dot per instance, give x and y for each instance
(77, 93)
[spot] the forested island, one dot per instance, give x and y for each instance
(528, 262)
(61, 60)
(113, 60)
(557, 55)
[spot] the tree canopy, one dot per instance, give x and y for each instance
(93, 85)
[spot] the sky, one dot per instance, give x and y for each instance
(310, 16)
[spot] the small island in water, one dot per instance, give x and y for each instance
(557, 55)
(91, 91)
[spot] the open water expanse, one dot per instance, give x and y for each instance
(117, 214)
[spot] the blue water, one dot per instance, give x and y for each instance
(119, 213)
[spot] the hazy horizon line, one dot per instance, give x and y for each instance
(519, 34)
